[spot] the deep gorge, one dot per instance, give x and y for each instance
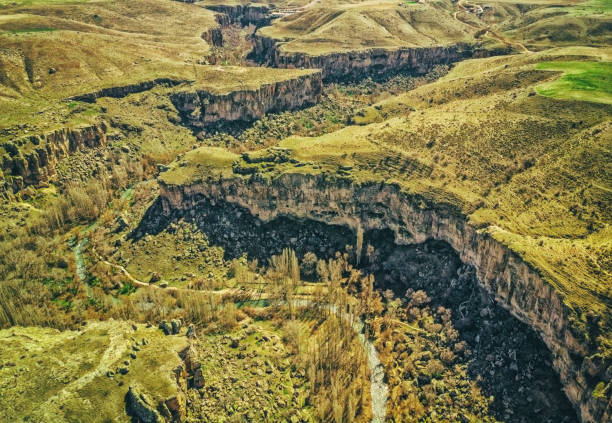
(510, 282)
(512, 362)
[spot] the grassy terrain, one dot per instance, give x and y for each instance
(526, 167)
(51, 53)
(62, 376)
(329, 27)
(251, 368)
(181, 257)
(586, 81)
(543, 24)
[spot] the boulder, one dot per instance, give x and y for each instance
(176, 326)
(165, 327)
(141, 407)
(191, 333)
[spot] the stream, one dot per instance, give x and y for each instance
(378, 388)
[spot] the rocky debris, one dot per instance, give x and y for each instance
(225, 380)
(190, 357)
(193, 367)
(141, 407)
(155, 277)
(377, 207)
(121, 224)
(165, 327)
(176, 326)
(45, 151)
(237, 231)
(172, 328)
(202, 109)
(198, 379)
(191, 333)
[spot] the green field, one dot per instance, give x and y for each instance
(586, 81)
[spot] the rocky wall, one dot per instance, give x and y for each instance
(201, 109)
(44, 152)
(356, 65)
(374, 206)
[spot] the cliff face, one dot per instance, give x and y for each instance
(244, 15)
(514, 284)
(38, 165)
(123, 91)
(357, 65)
(214, 37)
(202, 109)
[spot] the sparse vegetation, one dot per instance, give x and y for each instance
(157, 266)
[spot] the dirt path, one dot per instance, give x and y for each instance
(378, 388)
(488, 31)
(117, 347)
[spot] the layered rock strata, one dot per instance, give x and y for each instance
(125, 90)
(374, 206)
(355, 65)
(244, 15)
(44, 152)
(203, 109)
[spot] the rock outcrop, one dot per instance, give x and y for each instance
(32, 160)
(203, 109)
(356, 65)
(125, 90)
(214, 37)
(244, 15)
(374, 206)
(141, 407)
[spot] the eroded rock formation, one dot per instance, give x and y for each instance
(355, 65)
(125, 90)
(214, 37)
(203, 109)
(375, 206)
(141, 407)
(33, 159)
(244, 15)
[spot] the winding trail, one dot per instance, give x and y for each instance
(378, 388)
(488, 31)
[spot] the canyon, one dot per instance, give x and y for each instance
(210, 209)
(357, 65)
(374, 206)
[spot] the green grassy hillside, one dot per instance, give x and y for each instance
(341, 26)
(64, 376)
